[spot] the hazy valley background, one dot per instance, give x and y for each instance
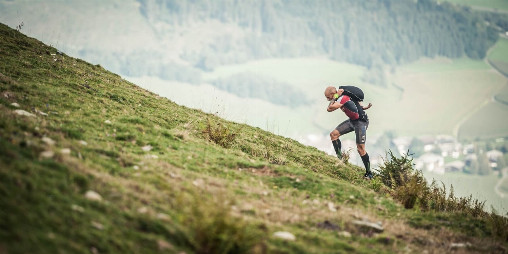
(433, 71)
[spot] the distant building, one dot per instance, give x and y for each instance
(468, 149)
(450, 149)
(493, 156)
(428, 142)
(430, 162)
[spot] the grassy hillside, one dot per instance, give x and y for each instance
(92, 163)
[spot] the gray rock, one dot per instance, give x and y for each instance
(284, 235)
(92, 195)
(345, 234)
(369, 225)
(147, 148)
(48, 141)
(47, 154)
(14, 104)
(23, 113)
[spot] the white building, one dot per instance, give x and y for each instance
(430, 162)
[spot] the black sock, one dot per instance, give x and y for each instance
(366, 162)
(337, 146)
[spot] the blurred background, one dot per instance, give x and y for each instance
(435, 71)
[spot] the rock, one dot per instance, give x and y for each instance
(143, 210)
(97, 225)
(331, 207)
(41, 113)
(345, 234)
(459, 245)
(198, 182)
(23, 113)
(48, 141)
(351, 197)
(163, 245)
(47, 154)
(147, 148)
(284, 235)
(135, 167)
(14, 104)
(163, 217)
(92, 195)
(369, 225)
(82, 142)
(77, 208)
(107, 122)
(65, 151)
(151, 156)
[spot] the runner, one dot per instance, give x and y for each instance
(348, 99)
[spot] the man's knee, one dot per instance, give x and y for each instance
(334, 134)
(361, 149)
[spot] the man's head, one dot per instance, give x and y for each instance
(330, 92)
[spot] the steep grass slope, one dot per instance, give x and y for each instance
(90, 163)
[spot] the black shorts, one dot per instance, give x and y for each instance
(360, 128)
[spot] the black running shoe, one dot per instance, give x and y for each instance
(368, 176)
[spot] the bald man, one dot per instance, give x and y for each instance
(348, 99)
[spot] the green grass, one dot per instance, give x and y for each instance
(488, 122)
(498, 56)
(491, 4)
(165, 184)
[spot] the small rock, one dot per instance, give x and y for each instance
(82, 142)
(163, 216)
(297, 180)
(94, 250)
(147, 148)
(23, 113)
(151, 156)
(107, 122)
(97, 225)
(48, 141)
(41, 113)
(92, 195)
(351, 197)
(331, 207)
(284, 235)
(315, 201)
(47, 154)
(143, 210)
(345, 234)
(77, 208)
(163, 245)
(198, 182)
(14, 104)
(265, 193)
(65, 151)
(369, 225)
(459, 245)
(135, 167)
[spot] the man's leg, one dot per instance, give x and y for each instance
(343, 128)
(361, 137)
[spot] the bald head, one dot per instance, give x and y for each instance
(329, 92)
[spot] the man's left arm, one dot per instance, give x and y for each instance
(365, 108)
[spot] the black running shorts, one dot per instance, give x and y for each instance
(359, 126)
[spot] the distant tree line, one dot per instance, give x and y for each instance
(252, 85)
(370, 33)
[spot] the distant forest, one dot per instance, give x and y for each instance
(370, 33)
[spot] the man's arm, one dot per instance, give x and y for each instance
(333, 106)
(365, 108)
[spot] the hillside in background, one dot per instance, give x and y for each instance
(92, 163)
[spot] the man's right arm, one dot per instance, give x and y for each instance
(333, 106)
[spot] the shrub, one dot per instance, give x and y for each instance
(219, 133)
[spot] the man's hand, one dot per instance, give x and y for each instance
(368, 106)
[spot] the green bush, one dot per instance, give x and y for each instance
(219, 133)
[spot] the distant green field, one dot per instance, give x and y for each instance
(489, 122)
(502, 96)
(498, 56)
(491, 4)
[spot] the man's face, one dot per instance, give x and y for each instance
(329, 96)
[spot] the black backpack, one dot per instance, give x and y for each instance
(355, 93)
